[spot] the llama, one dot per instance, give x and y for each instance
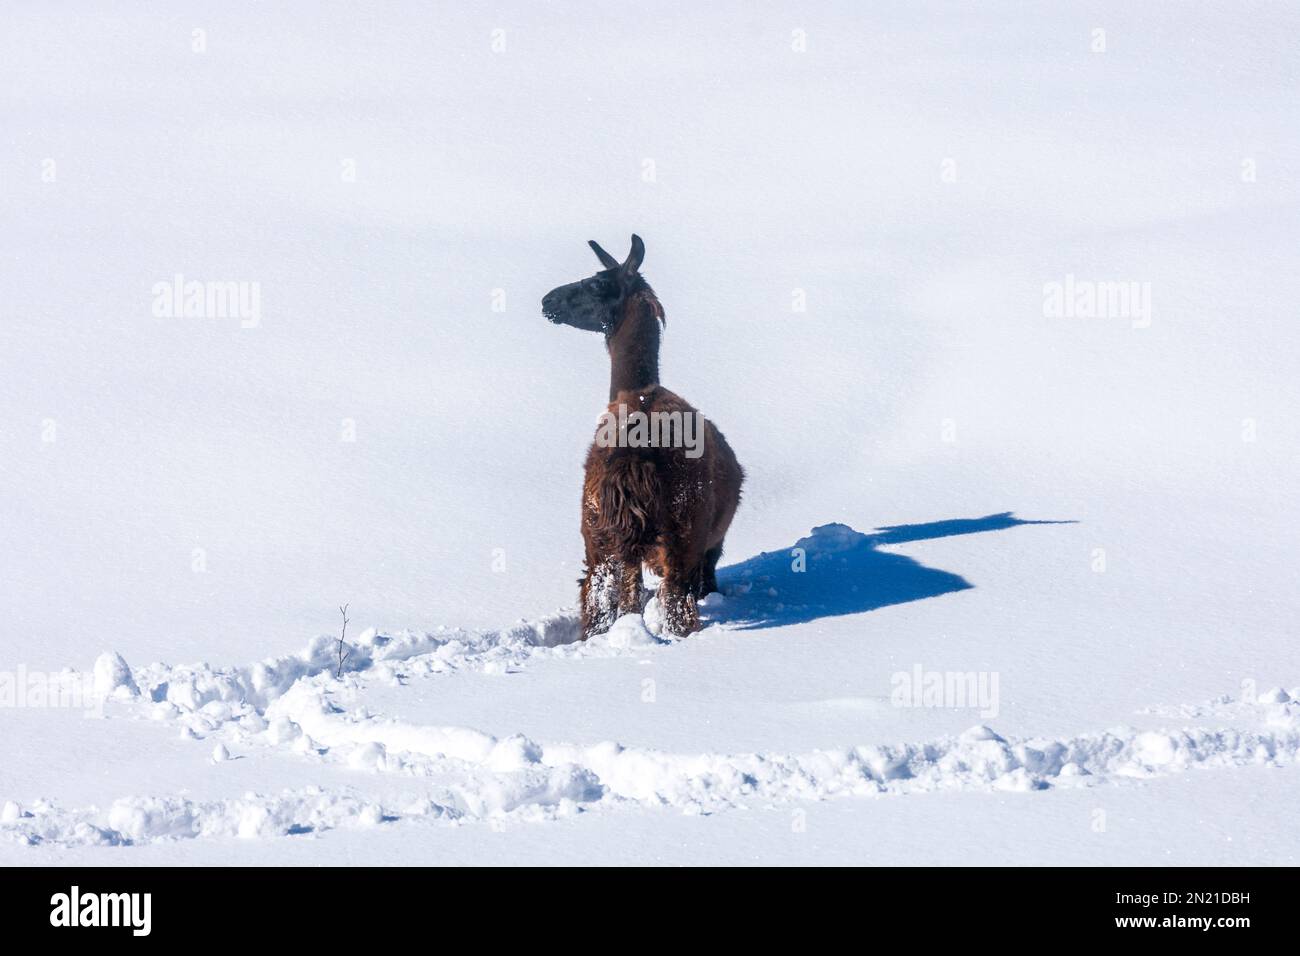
(664, 504)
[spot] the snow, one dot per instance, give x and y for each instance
(112, 676)
(463, 775)
(1065, 533)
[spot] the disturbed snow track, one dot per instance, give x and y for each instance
(294, 708)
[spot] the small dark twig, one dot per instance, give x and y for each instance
(342, 656)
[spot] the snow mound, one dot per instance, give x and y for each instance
(113, 677)
(629, 631)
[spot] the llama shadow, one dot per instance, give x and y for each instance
(843, 572)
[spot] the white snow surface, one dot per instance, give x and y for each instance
(1091, 517)
(298, 708)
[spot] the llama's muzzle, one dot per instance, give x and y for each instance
(550, 308)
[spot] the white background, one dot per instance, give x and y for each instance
(774, 170)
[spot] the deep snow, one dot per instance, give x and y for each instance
(853, 245)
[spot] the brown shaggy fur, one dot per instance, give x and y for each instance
(652, 506)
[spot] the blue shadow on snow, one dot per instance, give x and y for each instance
(845, 572)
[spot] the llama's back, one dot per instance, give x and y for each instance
(636, 495)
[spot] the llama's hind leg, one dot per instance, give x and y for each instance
(677, 605)
(613, 588)
(599, 597)
(630, 587)
(682, 570)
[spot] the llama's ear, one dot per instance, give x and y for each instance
(636, 256)
(606, 260)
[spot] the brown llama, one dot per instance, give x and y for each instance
(661, 489)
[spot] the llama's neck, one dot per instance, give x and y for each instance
(634, 346)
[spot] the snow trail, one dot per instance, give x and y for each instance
(290, 706)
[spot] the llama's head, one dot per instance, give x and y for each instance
(596, 304)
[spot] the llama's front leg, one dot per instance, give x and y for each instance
(677, 604)
(709, 571)
(600, 595)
